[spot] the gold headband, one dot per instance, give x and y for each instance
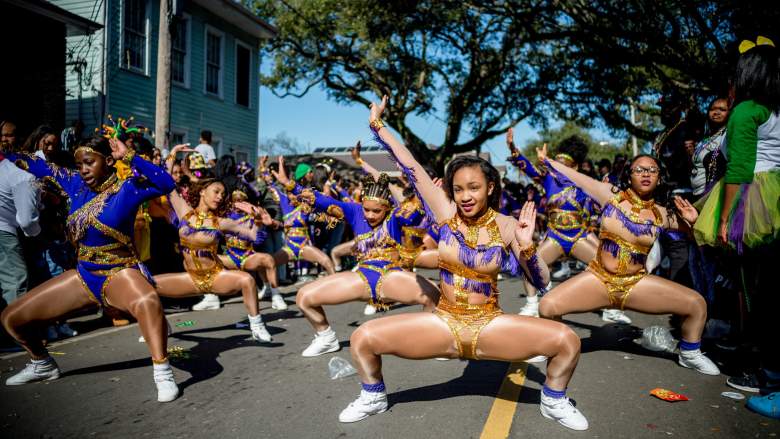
(564, 156)
(377, 199)
(87, 149)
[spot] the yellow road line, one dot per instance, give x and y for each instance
(499, 421)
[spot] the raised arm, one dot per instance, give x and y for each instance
(599, 191)
(247, 229)
(519, 160)
(434, 198)
(149, 180)
(398, 192)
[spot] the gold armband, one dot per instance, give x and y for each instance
(290, 185)
(128, 157)
(529, 251)
(359, 161)
(376, 124)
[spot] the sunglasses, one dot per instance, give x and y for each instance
(639, 170)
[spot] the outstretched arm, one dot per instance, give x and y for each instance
(519, 160)
(599, 191)
(436, 201)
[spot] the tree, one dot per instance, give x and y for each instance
(282, 144)
(480, 63)
(553, 136)
(637, 50)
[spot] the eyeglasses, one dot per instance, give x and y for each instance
(639, 170)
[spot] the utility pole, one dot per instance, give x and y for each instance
(162, 117)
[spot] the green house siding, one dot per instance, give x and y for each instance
(192, 110)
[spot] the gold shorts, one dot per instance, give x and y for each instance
(619, 286)
(466, 322)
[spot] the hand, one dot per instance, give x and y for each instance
(265, 217)
(686, 209)
(437, 182)
(184, 147)
(246, 208)
(118, 149)
(263, 162)
(723, 232)
(541, 153)
(356, 152)
(510, 141)
(376, 110)
(526, 223)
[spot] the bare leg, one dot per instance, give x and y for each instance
(129, 291)
(427, 259)
(582, 293)
(265, 265)
(331, 290)
(409, 288)
(656, 295)
(317, 256)
(46, 302)
(226, 282)
(584, 250)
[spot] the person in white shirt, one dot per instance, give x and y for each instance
(19, 203)
(205, 149)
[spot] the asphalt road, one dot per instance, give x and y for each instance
(232, 387)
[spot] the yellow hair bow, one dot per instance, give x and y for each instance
(746, 45)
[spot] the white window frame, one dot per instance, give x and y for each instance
(249, 86)
(214, 31)
(147, 27)
(184, 135)
(188, 54)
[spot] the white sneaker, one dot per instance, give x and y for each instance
(367, 404)
(530, 309)
(44, 370)
(562, 272)
(209, 302)
(615, 316)
(141, 339)
(262, 293)
(322, 344)
(167, 390)
(562, 411)
(369, 310)
(698, 361)
(278, 303)
(260, 333)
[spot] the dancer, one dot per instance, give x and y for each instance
(241, 254)
(200, 230)
(297, 244)
(378, 230)
(476, 243)
(568, 217)
(631, 221)
(108, 272)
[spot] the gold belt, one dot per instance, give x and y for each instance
(566, 220)
(238, 243)
(296, 231)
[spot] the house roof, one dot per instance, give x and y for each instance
(74, 24)
(240, 16)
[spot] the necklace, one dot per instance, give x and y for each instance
(661, 139)
(201, 217)
(106, 184)
(707, 142)
(638, 204)
(474, 225)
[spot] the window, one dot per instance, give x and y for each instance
(135, 35)
(243, 74)
(180, 51)
(214, 62)
(178, 138)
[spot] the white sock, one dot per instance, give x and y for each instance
(532, 299)
(159, 367)
(327, 332)
(255, 320)
(46, 360)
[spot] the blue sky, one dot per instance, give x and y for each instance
(317, 121)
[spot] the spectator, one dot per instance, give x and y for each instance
(43, 143)
(19, 202)
(605, 166)
(8, 139)
(587, 168)
(206, 150)
(706, 156)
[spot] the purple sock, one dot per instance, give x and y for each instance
(689, 346)
(374, 388)
(553, 393)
